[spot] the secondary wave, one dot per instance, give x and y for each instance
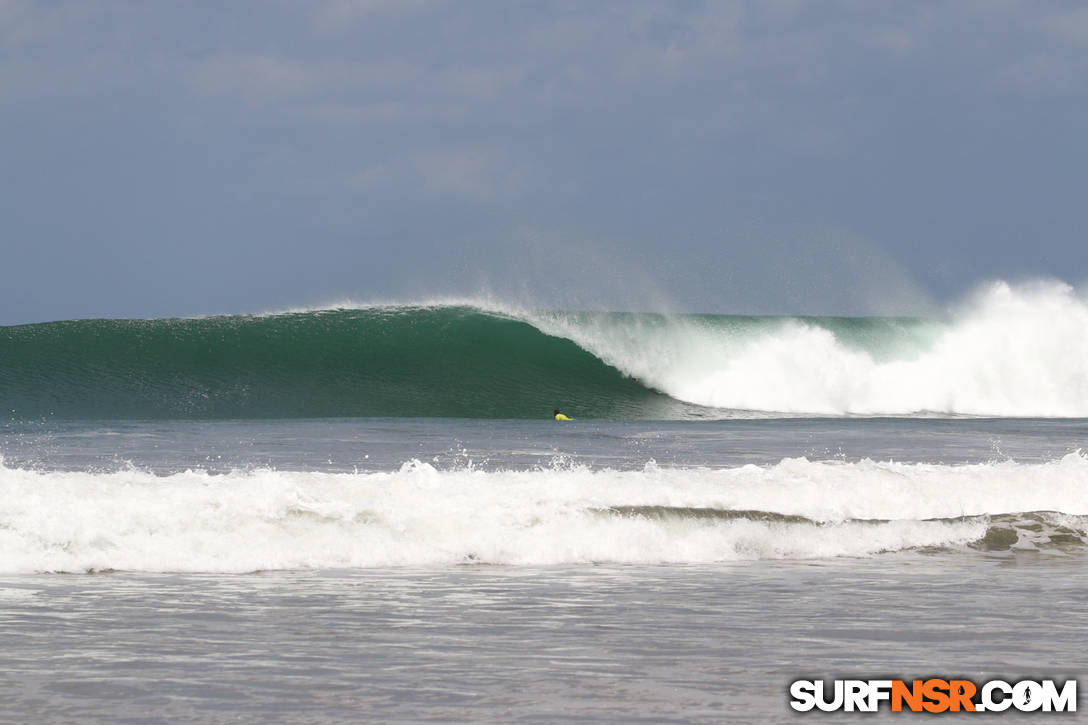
(1013, 352)
(421, 516)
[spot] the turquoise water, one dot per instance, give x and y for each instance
(1009, 354)
(408, 361)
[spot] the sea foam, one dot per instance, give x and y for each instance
(1012, 351)
(422, 516)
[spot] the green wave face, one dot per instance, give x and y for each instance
(1013, 355)
(400, 361)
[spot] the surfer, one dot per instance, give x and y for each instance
(558, 415)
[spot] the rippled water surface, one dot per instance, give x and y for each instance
(496, 644)
(403, 570)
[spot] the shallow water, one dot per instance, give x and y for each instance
(508, 644)
(583, 639)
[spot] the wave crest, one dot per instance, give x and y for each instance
(1013, 352)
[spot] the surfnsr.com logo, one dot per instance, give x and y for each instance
(934, 695)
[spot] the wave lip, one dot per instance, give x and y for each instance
(421, 516)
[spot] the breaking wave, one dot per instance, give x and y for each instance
(422, 516)
(1014, 352)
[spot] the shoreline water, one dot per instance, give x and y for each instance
(578, 640)
(610, 644)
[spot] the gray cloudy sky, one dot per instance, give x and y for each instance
(177, 158)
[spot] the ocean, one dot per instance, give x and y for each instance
(367, 514)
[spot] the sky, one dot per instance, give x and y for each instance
(839, 157)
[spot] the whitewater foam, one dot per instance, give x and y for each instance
(422, 516)
(1012, 352)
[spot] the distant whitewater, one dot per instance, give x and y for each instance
(1019, 352)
